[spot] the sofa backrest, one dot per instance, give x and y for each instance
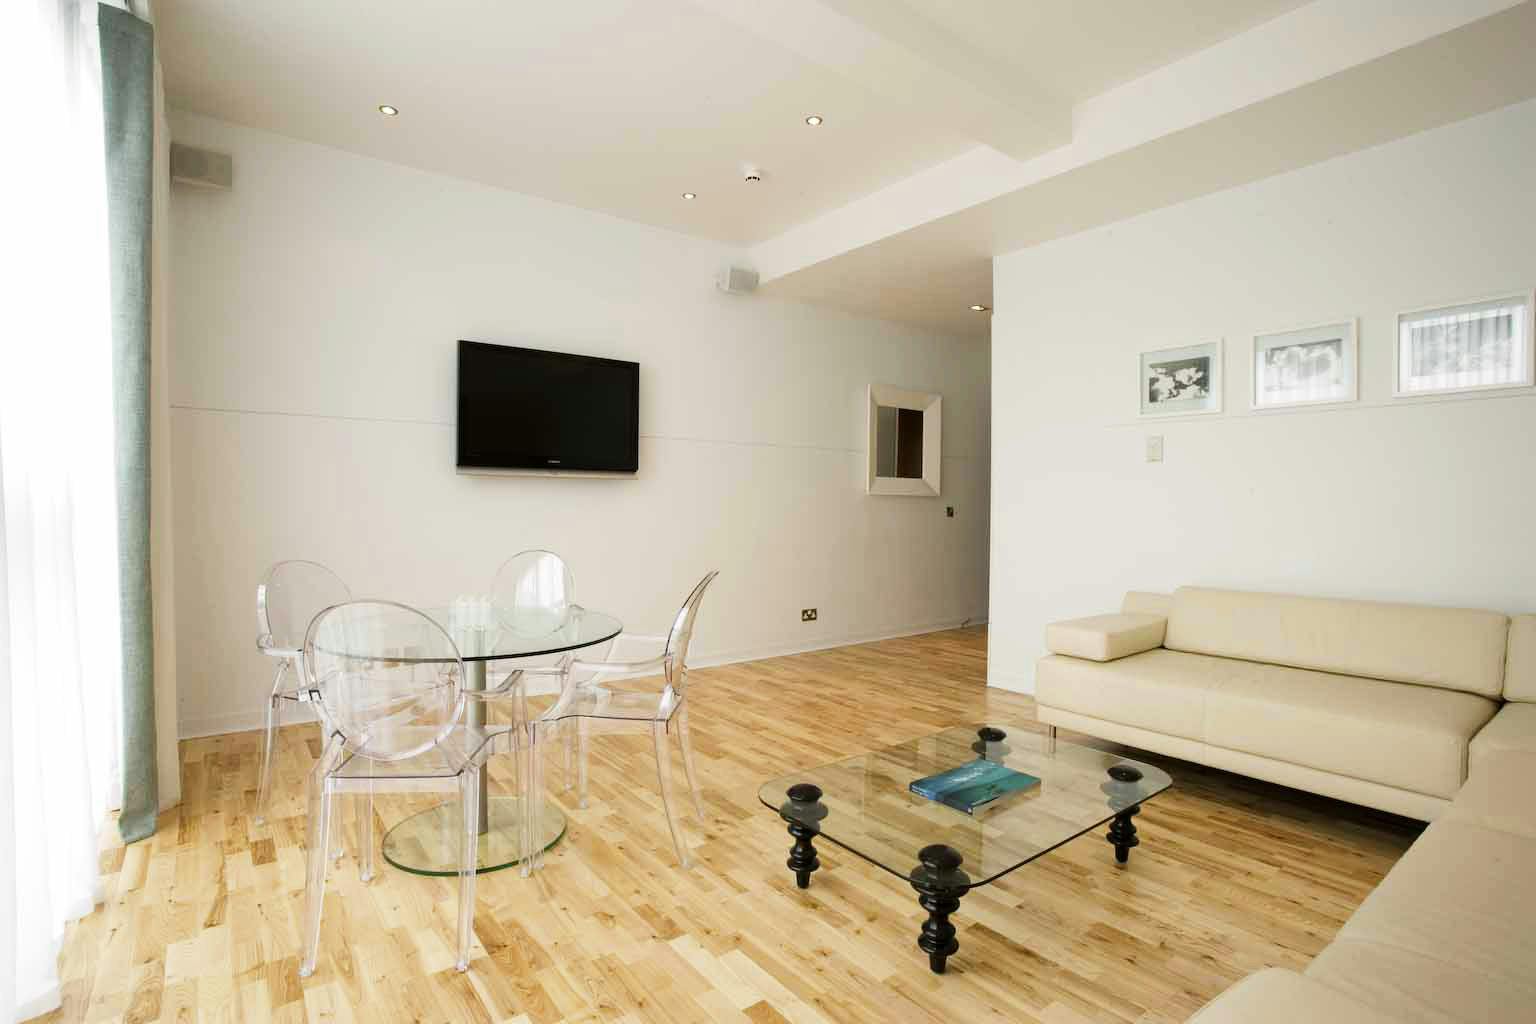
(1453, 648)
(1520, 669)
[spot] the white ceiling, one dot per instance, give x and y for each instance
(622, 105)
(1078, 50)
(955, 129)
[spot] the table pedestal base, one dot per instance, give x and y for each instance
(427, 843)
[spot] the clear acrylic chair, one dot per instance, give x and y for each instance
(587, 705)
(534, 593)
(391, 700)
(287, 599)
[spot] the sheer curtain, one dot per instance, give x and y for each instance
(59, 652)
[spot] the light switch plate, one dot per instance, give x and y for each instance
(1154, 447)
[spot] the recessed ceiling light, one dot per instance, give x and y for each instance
(387, 110)
(690, 195)
(813, 120)
(979, 308)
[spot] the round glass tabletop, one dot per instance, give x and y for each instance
(484, 633)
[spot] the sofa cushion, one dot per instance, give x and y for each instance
(1105, 637)
(1520, 666)
(1162, 691)
(1447, 935)
(1278, 996)
(1411, 988)
(1498, 793)
(1512, 729)
(1458, 649)
(1407, 737)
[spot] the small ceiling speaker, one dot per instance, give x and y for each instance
(736, 280)
(202, 168)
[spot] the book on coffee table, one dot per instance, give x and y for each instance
(974, 785)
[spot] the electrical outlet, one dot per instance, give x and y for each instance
(807, 614)
(1154, 447)
(949, 511)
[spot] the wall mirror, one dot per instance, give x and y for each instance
(904, 441)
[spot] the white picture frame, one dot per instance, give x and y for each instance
(1185, 381)
(1462, 347)
(1314, 365)
(931, 406)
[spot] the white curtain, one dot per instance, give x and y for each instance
(59, 649)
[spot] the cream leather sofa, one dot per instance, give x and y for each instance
(1384, 705)
(1379, 704)
(1449, 935)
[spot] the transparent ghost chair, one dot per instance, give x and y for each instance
(586, 704)
(391, 703)
(287, 599)
(533, 594)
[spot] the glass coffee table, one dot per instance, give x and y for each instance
(864, 805)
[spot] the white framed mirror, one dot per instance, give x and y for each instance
(905, 441)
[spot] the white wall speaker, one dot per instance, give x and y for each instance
(202, 168)
(736, 280)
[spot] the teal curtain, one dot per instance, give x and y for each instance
(128, 108)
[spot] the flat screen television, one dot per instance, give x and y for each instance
(522, 408)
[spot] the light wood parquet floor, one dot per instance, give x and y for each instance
(201, 923)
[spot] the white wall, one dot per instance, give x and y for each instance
(1429, 500)
(314, 321)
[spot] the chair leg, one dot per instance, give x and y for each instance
(568, 752)
(338, 846)
(320, 811)
(533, 804)
(469, 796)
(686, 742)
(365, 834)
(269, 746)
(583, 750)
(668, 801)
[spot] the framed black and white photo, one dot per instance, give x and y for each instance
(1181, 381)
(1306, 366)
(1472, 346)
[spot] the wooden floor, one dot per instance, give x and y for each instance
(201, 922)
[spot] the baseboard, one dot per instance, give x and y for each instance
(247, 721)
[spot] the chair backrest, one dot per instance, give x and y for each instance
(533, 593)
(287, 600)
(681, 634)
(390, 679)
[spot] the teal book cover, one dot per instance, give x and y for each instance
(973, 785)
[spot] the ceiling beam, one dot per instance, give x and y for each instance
(895, 53)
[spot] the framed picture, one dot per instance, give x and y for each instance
(1473, 346)
(1181, 381)
(1306, 366)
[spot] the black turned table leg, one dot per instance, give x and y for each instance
(803, 812)
(1122, 832)
(939, 883)
(1123, 791)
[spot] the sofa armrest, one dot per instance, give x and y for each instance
(1279, 996)
(1106, 637)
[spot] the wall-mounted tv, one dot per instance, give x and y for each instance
(522, 408)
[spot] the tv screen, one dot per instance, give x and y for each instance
(521, 408)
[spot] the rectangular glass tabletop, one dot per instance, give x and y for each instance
(865, 805)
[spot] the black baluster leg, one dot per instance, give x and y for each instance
(804, 812)
(939, 883)
(1122, 832)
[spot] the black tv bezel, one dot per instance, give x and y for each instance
(544, 463)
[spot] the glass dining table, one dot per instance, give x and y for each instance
(427, 842)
